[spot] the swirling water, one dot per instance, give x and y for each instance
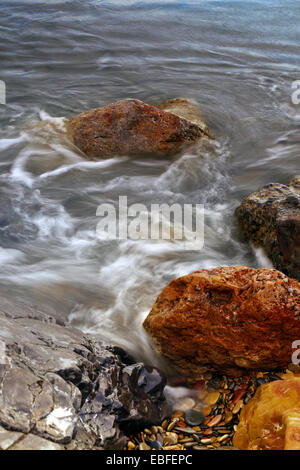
(236, 59)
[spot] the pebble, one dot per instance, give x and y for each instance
(216, 420)
(154, 444)
(172, 424)
(237, 407)
(207, 410)
(143, 446)
(131, 445)
(210, 421)
(223, 438)
(177, 447)
(212, 398)
(164, 424)
(193, 417)
(205, 441)
(170, 438)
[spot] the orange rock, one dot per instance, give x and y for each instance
(271, 420)
(229, 319)
(131, 127)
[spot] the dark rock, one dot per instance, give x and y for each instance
(193, 417)
(59, 385)
(271, 219)
(153, 444)
(131, 127)
(227, 319)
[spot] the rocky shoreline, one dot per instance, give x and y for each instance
(210, 420)
(228, 330)
(60, 389)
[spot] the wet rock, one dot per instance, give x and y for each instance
(8, 438)
(229, 319)
(33, 442)
(271, 219)
(131, 127)
(59, 385)
(187, 110)
(271, 420)
(193, 417)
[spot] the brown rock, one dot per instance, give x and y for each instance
(227, 319)
(131, 127)
(187, 110)
(271, 219)
(271, 420)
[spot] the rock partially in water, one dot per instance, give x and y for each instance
(187, 110)
(59, 385)
(131, 127)
(228, 319)
(271, 420)
(271, 219)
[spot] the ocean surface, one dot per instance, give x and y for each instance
(236, 59)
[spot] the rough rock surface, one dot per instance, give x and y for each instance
(271, 219)
(187, 110)
(131, 127)
(59, 385)
(227, 319)
(271, 420)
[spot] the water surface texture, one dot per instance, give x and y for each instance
(236, 59)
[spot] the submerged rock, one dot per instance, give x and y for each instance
(271, 219)
(271, 420)
(59, 385)
(131, 127)
(229, 319)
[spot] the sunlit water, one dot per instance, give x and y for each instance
(236, 59)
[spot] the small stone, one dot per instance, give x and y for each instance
(153, 444)
(186, 430)
(238, 395)
(223, 438)
(164, 424)
(193, 418)
(228, 417)
(212, 398)
(172, 424)
(144, 446)
(216, 420)
(131, 445)
(185, 440)
(237, 407)
(206, 441)
(207, 410)
(188, 445)
(175, 447)
(170, 438)
(261, 381)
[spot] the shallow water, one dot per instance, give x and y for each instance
(236, 59)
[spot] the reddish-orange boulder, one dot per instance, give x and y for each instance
(227, 319)
(131, 127)
(271, 420)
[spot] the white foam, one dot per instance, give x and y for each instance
(83, 165)
(262, 258)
